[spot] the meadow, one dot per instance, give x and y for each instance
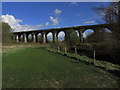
(36, 67)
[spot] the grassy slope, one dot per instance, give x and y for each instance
(39, 68)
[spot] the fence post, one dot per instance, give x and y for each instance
(65, 49)
(58, 48)
(76, 53)
(94, 56)
(75, 50)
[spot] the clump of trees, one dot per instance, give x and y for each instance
(6, 34)
(111, 15)
(102, 35)
(71, 38)
(107, 44)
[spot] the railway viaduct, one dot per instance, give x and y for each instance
(55, 31)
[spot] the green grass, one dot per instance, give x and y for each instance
(99, 63)
(39, 68)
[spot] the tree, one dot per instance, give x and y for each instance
(40, 38)
(100, 36)
(6, 33)
(71, 38)
(111, 15)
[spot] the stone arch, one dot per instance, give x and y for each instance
(39, 38)
(104, 34)
(22, 37)
(61, 35)
(77, 33)
(49, 37)
(30, 38)
(87, 32)
(107, 30)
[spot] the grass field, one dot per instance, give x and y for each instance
(39, 68)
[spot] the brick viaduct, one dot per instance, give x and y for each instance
(55, 32)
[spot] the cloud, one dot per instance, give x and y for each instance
(90, 18)
(15, 23)
(57, 11)
(47, 24)
(89, 22)
(54, 20)
(10, 20)
(17, 27)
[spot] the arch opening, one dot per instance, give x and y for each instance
(77, 33)
(88, 36)
(104, 34)
(49, 37)
(107, 30)
(61, 36)
(39, 38)
(30, 37)
(21, 38)
(87, 32)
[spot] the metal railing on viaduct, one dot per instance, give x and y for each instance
(55, 32)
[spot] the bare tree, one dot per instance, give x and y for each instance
(111, 15)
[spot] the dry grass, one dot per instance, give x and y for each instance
(13, 47)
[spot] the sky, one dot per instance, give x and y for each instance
(25, 16)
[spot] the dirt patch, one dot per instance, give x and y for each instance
(8, 48)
